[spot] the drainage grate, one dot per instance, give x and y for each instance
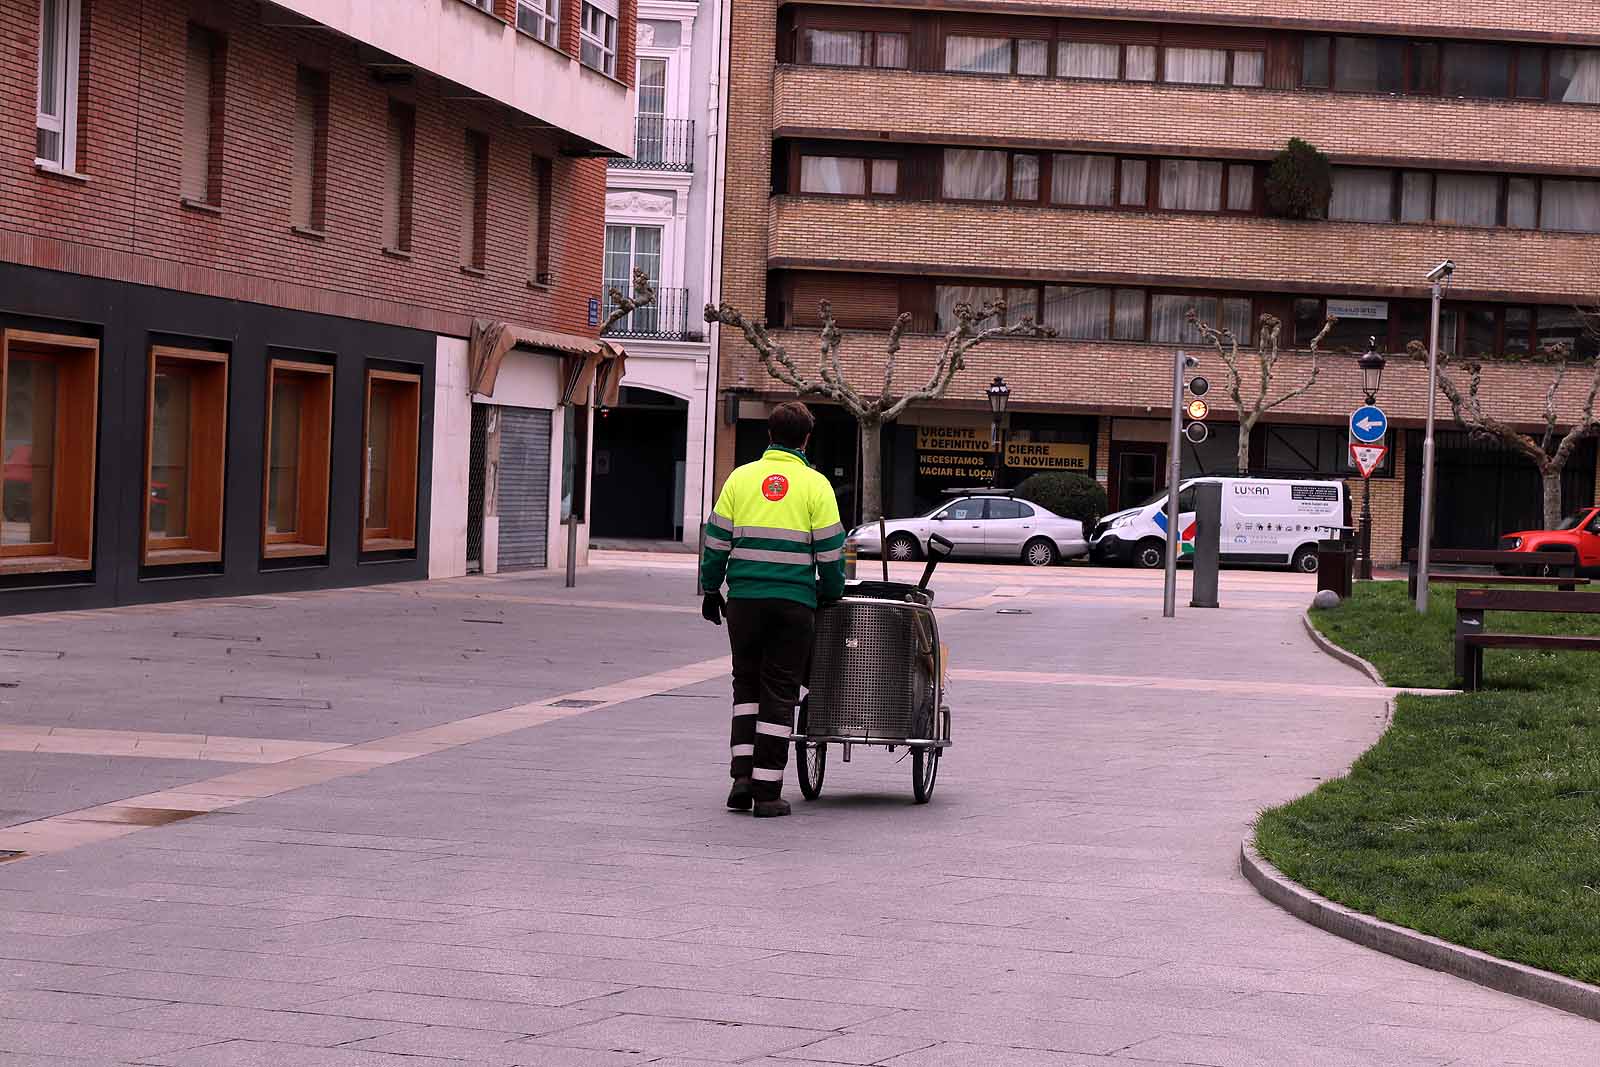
(576, 703)
(1013, 611)
(30, 653)
(193, 635)
(273, 653)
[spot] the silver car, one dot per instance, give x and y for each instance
(989, 526)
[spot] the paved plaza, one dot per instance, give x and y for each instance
(480, 821)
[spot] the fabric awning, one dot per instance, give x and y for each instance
(581, 358)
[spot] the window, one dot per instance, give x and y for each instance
(203, 98)
(1570, 205)
(47, 433)
(1362, 194)
(1191, 185)
(1575, 75)
(186, 433)
(973, 174)
(397, 177)
(1168, 313)
(1466, 199)
(996, 55)
(964, 510)
(855, 48)
(309, 187)
(389, 471)
(1369, 65)
(1140, 62)
(597, 38)
(540, 19)
(1475, 70)
(1416, 196)
(1127, 323)
(1530, 73)
(56, 116)
(1078, 312)
(299, 425)
(474, 200)
(1241, 187)
(631, 248)
(1249, 68)
(946, 297)
(1135, 183)
(1003, 508)
(649, 139)
(1085, 59)
(1316, 63)
(1195, 66)
(838, 175)
(539, 223)
(1084, 180)
(885, 177)
(1025, 178)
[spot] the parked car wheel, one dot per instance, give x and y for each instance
(1040, 552)
(1305, 559)
(903, 547)
(1150, 553)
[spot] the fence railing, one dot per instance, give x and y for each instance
(666, 320)
(660, 143)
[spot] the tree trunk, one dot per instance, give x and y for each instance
(1244, 448)
(871, 470)
(1550, 475)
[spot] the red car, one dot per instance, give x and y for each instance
(1579, 531)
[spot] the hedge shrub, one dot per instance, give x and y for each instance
(1074, 496)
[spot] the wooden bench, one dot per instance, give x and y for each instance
(1562, 566)
(1472, 638)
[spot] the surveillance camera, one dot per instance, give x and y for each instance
(1443, 270)
(1190, 362)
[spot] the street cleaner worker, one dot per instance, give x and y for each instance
(775, 535)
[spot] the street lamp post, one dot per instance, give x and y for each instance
(999, 396)
(1372, 365)
(1438, 277)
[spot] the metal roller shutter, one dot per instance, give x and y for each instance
(524, 487)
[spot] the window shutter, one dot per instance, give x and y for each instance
(303, 179)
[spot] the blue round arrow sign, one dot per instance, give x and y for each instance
(1368, 424)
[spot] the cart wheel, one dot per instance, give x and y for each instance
(811, 760)
(924, 771)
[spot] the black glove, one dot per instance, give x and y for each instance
(711, 608)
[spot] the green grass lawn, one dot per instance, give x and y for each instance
(1476, 818)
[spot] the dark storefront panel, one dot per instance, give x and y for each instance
(925, 462)
(833, 448)
(1482, 490)
(640, 448)
(522, 493)
(127, 320)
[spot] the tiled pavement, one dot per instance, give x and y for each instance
(572, 893)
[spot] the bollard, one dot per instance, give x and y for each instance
(1207, 544)
(851, 551)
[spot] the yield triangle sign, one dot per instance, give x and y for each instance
(1367, 457)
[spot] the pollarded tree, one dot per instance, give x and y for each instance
(1551, 449)
(873, 408)
(1267, 355)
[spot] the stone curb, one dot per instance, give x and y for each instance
(1518, 979)
(1344, 656)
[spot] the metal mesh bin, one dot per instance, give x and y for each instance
(873, 670)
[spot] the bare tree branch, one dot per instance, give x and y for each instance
(892, 351)
(644, 295)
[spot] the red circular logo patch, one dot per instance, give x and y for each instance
(776, 487)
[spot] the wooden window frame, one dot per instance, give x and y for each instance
(404, 444)
(73, 468)
(314, 457)
(208, 440)
(868, 162)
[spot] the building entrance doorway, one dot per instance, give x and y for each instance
(1138, 470)
(639, 455)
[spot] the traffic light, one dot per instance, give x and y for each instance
(1197, 410)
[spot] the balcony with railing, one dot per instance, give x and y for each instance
(660, 143)
(665, 320)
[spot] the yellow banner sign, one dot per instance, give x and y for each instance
(1047, 455)
(953, 439)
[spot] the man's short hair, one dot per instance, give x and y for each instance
(790, 424)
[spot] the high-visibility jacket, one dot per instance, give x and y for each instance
(775, 532)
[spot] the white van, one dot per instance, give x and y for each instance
(1264, 520)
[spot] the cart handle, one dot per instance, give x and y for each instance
(939, 550)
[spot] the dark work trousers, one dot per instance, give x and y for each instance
(771, 641)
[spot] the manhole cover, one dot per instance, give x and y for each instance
(576, 703)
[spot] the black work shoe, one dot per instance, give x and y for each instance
(739, 795)
(771, 809)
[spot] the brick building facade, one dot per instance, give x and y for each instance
(270, 228)
(1102, 167)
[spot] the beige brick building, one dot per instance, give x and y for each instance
(1102, 166)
